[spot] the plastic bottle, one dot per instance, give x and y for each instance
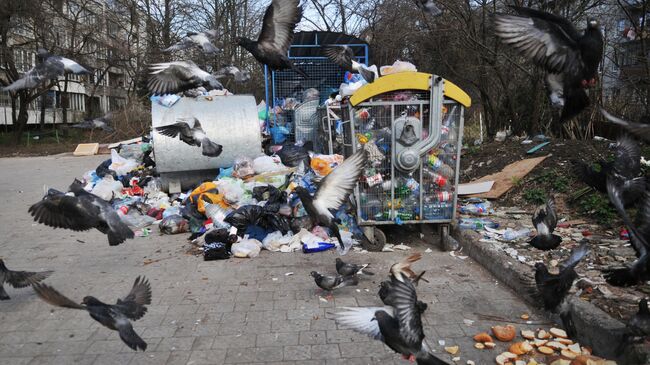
(476, 223)
(512, 235)
(321, 246)
(482, 208)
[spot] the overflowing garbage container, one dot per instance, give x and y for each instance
(412, 124)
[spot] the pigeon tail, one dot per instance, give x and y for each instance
(300, 71)
(335, 229)
(546, 243)
(119, 234)
(210, 148)
(569, 325)
(424, 357)
(367, 75)
(3, 293)
(130, 338)
(620, 277)
(576, 99)
(351, 280)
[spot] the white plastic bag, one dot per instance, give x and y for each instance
(398, 66)
(107, 188)
(246, 248)
(275, 240)
(121, 165)
(264, 164)
(232, 189)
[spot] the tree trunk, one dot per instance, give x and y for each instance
(21, 121)
(43, 100)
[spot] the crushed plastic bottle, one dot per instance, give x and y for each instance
(476, 208)
(476, 223)
(512, 235)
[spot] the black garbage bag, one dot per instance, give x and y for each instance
(216, 251)
(103, 170)
(276, 222)
(244, 216)
(273, 196)
(298, 223)
(291, 155)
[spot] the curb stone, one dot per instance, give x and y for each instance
(595, 328)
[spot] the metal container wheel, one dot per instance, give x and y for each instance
(374, 239)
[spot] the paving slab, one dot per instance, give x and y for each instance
(233, 311)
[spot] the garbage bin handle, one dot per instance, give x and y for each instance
(435, 116)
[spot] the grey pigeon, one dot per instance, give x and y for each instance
(638, 327)
(332, 192)
(50, 68)
(344, 57)
(18, 279)
(201, 40)
(178, 76)
(552, 289)
(80, 212)
(116, 316)
(329, 283)
(194, 136)
(347, 269)
(273, 42)
(544, 221)
(398, 324)
(429, 7)
(641, 130)
(237, 74)
(570, 59)
(96, 123)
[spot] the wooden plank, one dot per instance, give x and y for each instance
(503, 180)
(86, 149)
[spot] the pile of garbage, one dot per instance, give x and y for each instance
(246, 208)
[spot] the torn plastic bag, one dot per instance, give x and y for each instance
(276, 222)
(246, 248)
(291, 155)
(271, 195)
(216, 251)
(232, 190)
(264, 164)
(107, 188)
(243, 168)
(121, 165)
(136, 220)
(174, 224)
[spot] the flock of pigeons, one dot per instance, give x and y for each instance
(571, 61)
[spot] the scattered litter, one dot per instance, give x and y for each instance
(288, 273)
(428, 250)
(475, 188)
(402, 247)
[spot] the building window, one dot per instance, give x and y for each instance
(23, 60)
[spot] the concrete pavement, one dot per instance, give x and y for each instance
(237, 311)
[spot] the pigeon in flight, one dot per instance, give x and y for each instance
(329, 283)
(18, 279)
(201, 40)
(80, 211)
(402, 270)
(50, 68)
(641, 130)
(570, 59)
(429, 7)
(178, 76)
(273, 42)
(544, 221)
(344, 57)
(347, 269)
(95, 123)
(237, 74)
(552, 289)
(194, 136)
(116, 316)
(398, 324)
(332, 192)
(638, 327)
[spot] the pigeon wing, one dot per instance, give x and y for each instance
(362, 320)
(184, 43)
(175, 129)
(627, 162)
(336, 186)
(403, 298)
(72, 66)
(615, 193)
(577, 254)
(21, 279)
(278, 25)
(127, 334)
(133, 304)
(51, 296)
(548, 40)
(63, 211)
(31, 79)
(341, 55)
(170, 78)
(639, 129)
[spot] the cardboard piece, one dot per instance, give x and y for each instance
(128, 141)
(504, 179)
(86, 149)
(475, 188)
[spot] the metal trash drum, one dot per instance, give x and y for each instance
(231, 121)
(416, 180)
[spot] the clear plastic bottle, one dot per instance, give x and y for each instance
(512, 235)
(476, 223)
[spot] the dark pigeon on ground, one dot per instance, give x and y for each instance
(80, 212)
(333, 191)
(272, 44)
(638, 327)
(544, 221)
(398, 324)
(194, 136)
(429, 7)
(178, 76)
(50, 68)
(201, 40)
(641, 130)
(102, 123)
(330, 283)
(552, 289)
(18, 279)
(347, 269)
(570, 59)
(343, 56)
(116, 316)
